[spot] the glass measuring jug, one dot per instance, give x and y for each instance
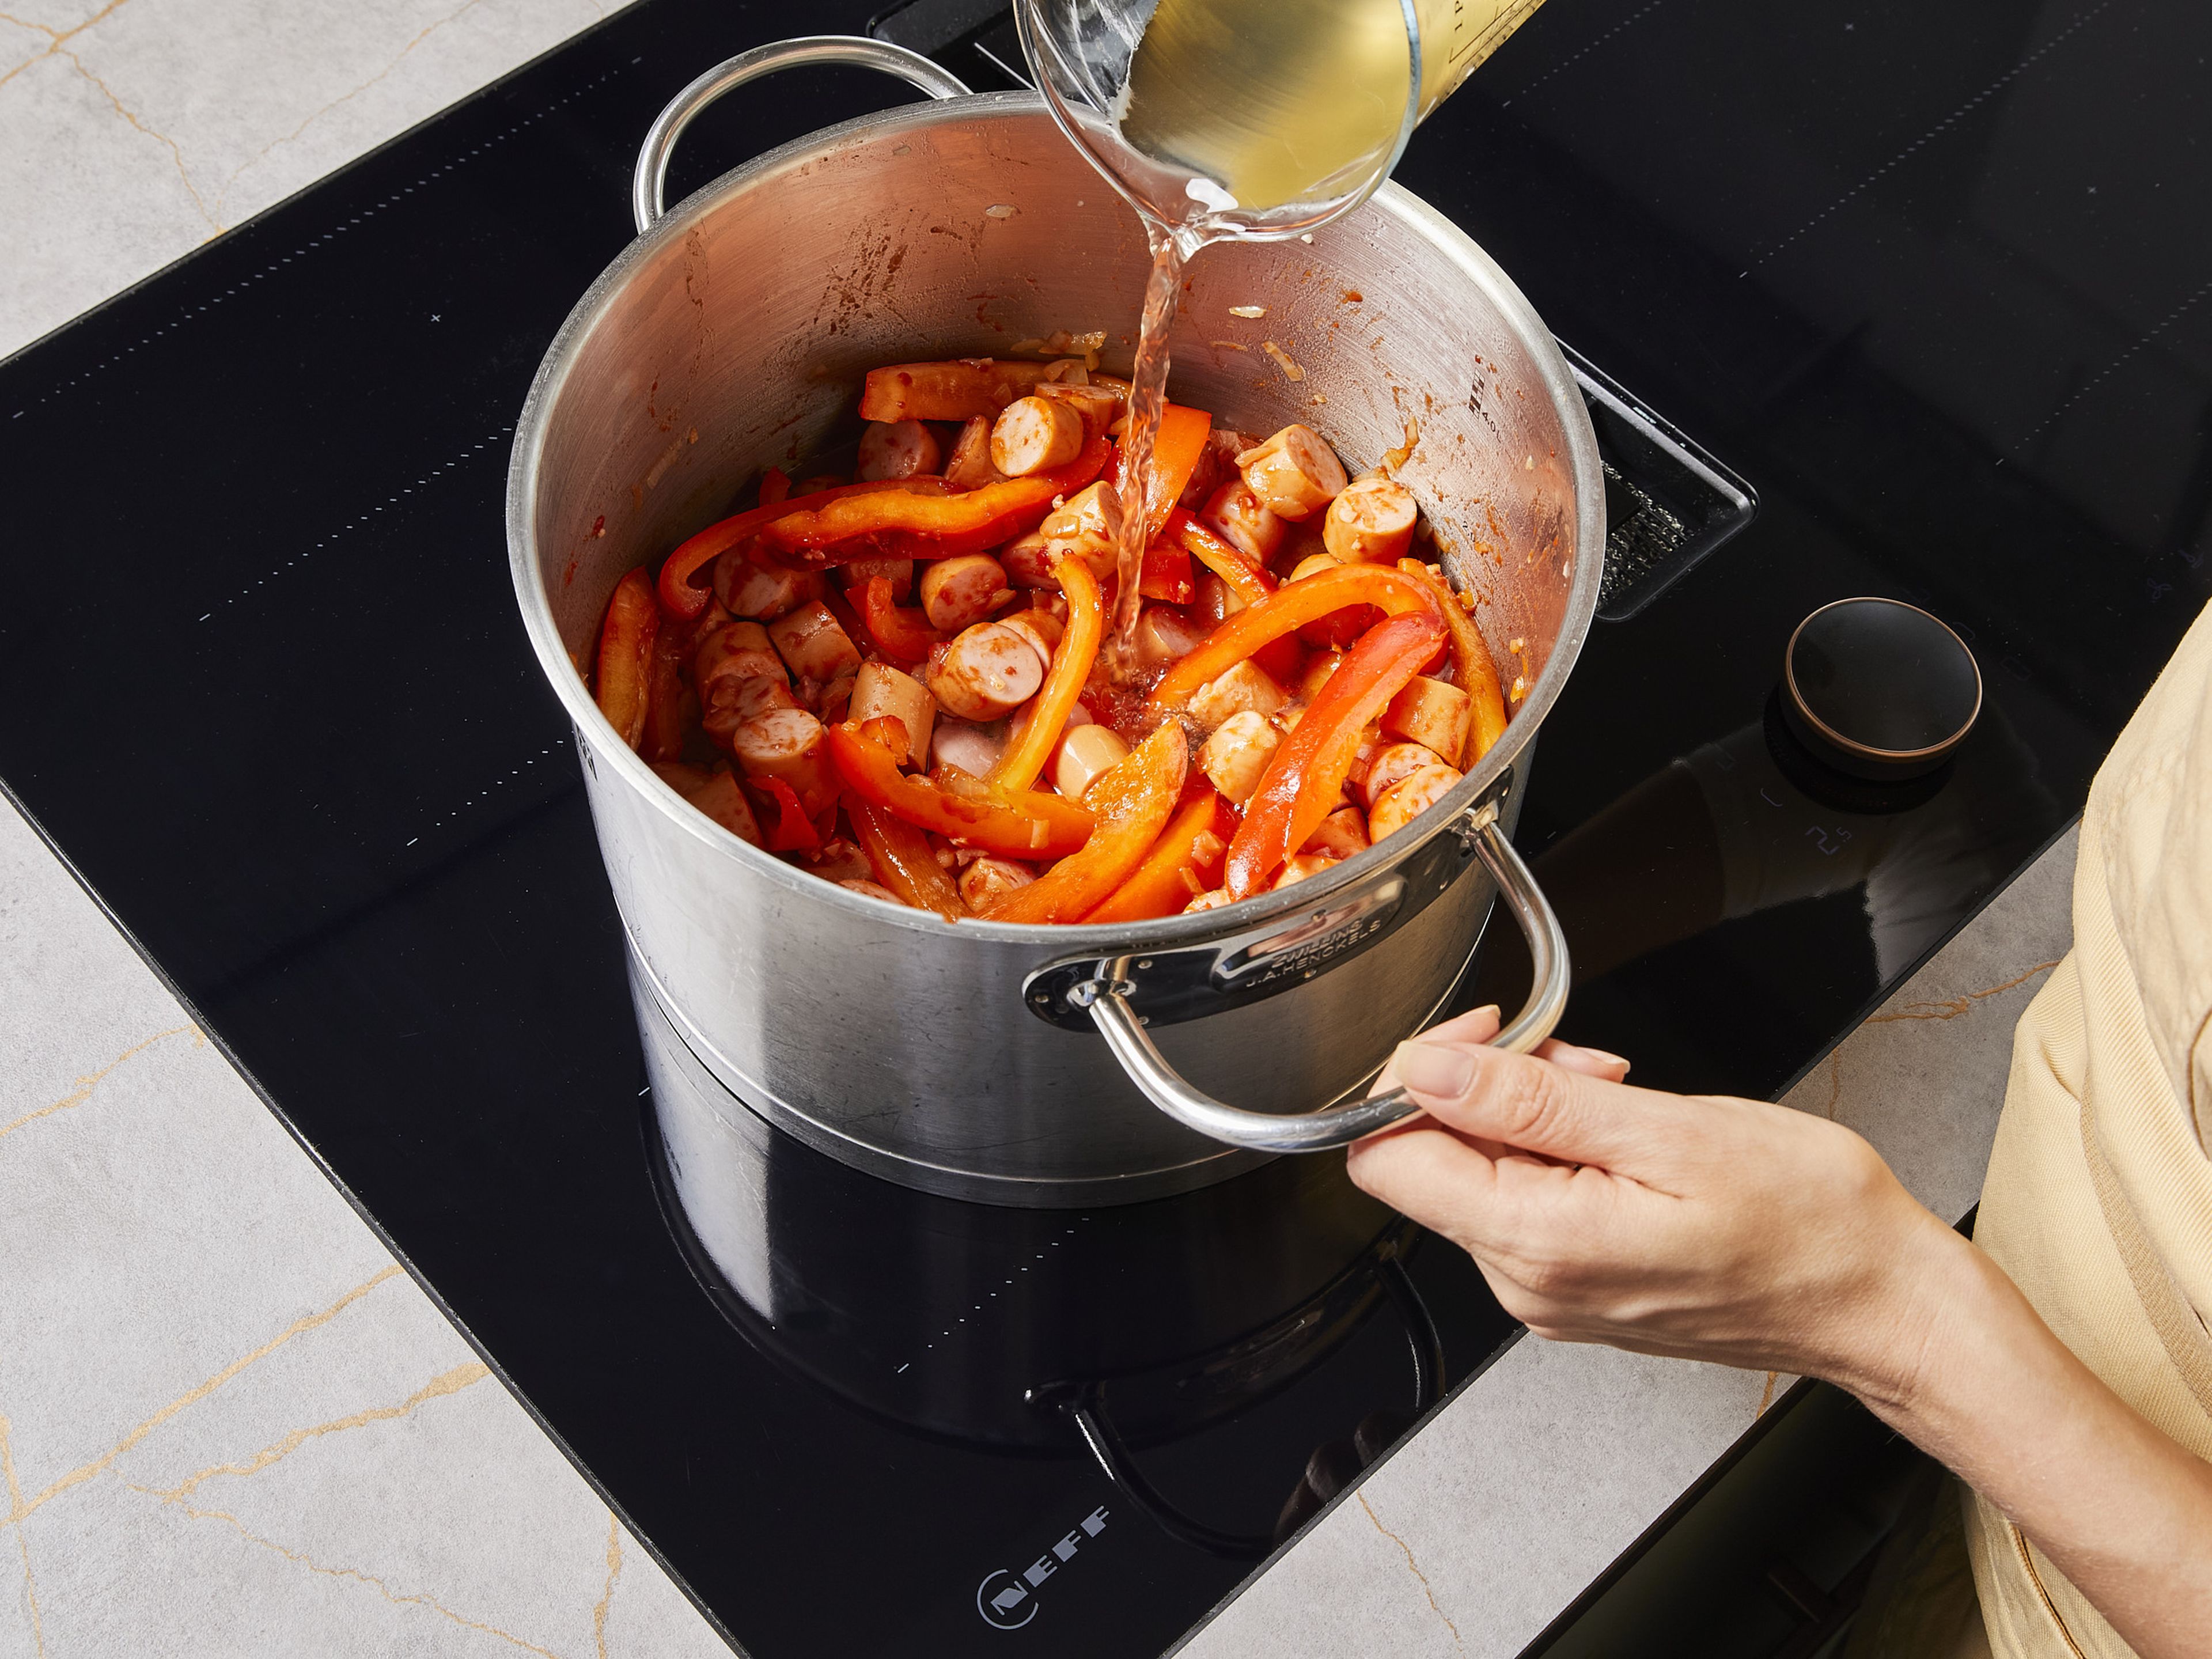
(1252, 119)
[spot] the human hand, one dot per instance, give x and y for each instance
(1703, 1227)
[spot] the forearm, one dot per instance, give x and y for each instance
(1972, 1375)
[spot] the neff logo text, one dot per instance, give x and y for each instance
(1007, 1600)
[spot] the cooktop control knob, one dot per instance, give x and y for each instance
(1878, 688)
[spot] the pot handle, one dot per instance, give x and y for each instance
(652, 172)
(1106, 998)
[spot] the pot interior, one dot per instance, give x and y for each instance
(735, 335)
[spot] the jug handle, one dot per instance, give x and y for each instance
(651, 176)
(1107, 1000)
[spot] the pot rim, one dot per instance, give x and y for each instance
(1071, 939)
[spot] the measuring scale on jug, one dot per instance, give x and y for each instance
(1252, 119)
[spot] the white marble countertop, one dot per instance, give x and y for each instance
(231, 1423)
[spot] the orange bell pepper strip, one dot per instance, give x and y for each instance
(1158, 887)
(1046, 717)
(625, 661)
(901, 633)
(1133, 800)
(1289, 608)
(1246, 579)
(910, 524)
(1177, 448)
(900, 856)
(680, 593)
(1027, 825)
(1301, 782)
(1473, 667)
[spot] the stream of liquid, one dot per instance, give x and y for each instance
(1148, 395)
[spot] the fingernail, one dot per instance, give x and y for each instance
(1493, 1011)
(1434, 1068)
(1603, 1058)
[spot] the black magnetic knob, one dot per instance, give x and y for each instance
(1878, 688)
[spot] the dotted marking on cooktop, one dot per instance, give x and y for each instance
(2089, 385)
(1932, 134)
(1066, 1232)
(314, 244)
(351, 525)
(488, 792)
(1566, 62)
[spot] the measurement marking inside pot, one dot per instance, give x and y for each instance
(311, 245)
(356, 523)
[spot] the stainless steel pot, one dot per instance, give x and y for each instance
(966, 1058)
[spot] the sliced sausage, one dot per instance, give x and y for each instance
(969, 748)
(747, 590)
(1085, 754)
(1088, 525)
(970, 467)
(1247, 686)
(1405, 800)
(1034, 434)
(984, 671)
(788, 744)
(1342, 834)
(1164, 633)
(1431, 714)
(1294, 472)
(896, 449)
(959, 593)
(1391, 765)
(814, 642)
(1236, 757)
(988, 880)
(1040, 627)
(716, 794)
(1243, 520)
(1028, 561)
(856, 573)
(1371, 521)
(1303, 865)
(881, 692)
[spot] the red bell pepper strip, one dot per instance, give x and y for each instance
(913, 524)
(1157, 888)
(1473, 667)
(956, 391)
(904, 861)
(671, 711)
(1289, 608)
(1177, 448)
(1027, 825)
(791, 829)
(625, 662)
(1246, 579)
(1133, 800)
(1165, 574)
(1073, 660)
(775, 486)
(901, 633)
(680, 593)
(1303, 781)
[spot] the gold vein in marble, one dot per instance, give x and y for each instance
(398, 1598)
(56, 39)
(22, 1544)
(1414, 1567)
(607, 1596)
(92, 1080)
(1953, 1007)
(223, 195)
(20, 1506)
(438, 1388)
(176, 151)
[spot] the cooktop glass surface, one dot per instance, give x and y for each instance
(1935, 293)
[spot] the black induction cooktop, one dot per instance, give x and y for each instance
(1932, 291)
